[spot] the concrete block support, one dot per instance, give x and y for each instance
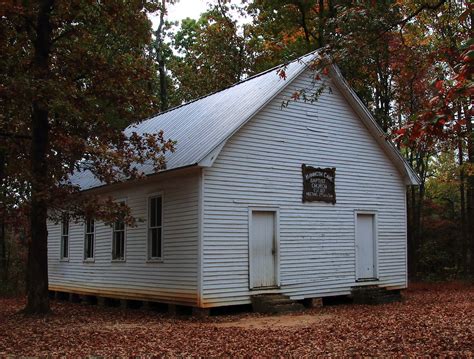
(201, 312)
(62, 296)
(74, 298)
(89, 299)
(134, 304)
(313, 302)
(156, 307)
(172, 309)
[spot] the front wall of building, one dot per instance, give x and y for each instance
(260, 167)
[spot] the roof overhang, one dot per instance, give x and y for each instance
(409, 176)
(148, 178)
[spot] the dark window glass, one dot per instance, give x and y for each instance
(152, 212)
(118, 241)
(65, 238)
(155, 228)
(158, 211)
(89, 239)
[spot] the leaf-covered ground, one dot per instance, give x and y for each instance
(432, 320)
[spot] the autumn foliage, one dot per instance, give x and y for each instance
(75, 74)
(433, 320)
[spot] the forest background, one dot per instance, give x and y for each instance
(410, 62)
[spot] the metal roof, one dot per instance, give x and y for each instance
(198, 127)
(203, 125)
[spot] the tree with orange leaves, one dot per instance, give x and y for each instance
(73, 75)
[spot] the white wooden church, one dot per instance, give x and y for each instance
(306, 200)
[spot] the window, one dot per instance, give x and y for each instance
(155, 228)
(65, 238)
(89, 239)
(118, 241)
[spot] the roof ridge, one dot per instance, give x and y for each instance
(225, 88)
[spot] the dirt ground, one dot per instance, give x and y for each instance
(432, 320)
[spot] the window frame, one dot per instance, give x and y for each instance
(119, 260)
(89, 259)
(149, 258)
(63, 258)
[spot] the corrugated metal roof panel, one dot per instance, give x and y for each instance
(201, 125)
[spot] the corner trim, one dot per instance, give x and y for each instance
(200, 261)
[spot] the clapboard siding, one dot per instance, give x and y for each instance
(172, 280)
(261, 166)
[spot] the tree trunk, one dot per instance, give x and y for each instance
(3, 253)
(303, 22)
(470, 188)
(37, 269)
(160, 60)
(421, 170)
(321, 24)
(411, 250)
(462, 246)
(414, 211)
(412, 226)
(163, 85)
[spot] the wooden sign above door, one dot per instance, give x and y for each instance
(319, 184)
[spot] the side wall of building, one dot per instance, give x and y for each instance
(174, 279)
(260, 166)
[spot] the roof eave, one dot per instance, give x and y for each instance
(108, 186)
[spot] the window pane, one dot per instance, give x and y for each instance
(86, 247)
(159, 242)
(154, 248)
(122, 245)
(65, 226)
(154, 231)
(64, 246)
(153, 212)
(119, 226)
(114, 246)
(90, 226)
(155, 242)
(158, 211)
(92, 246)
(118, 245)
(89, 252)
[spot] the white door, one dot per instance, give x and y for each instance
(365, 246)
(262, 249)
